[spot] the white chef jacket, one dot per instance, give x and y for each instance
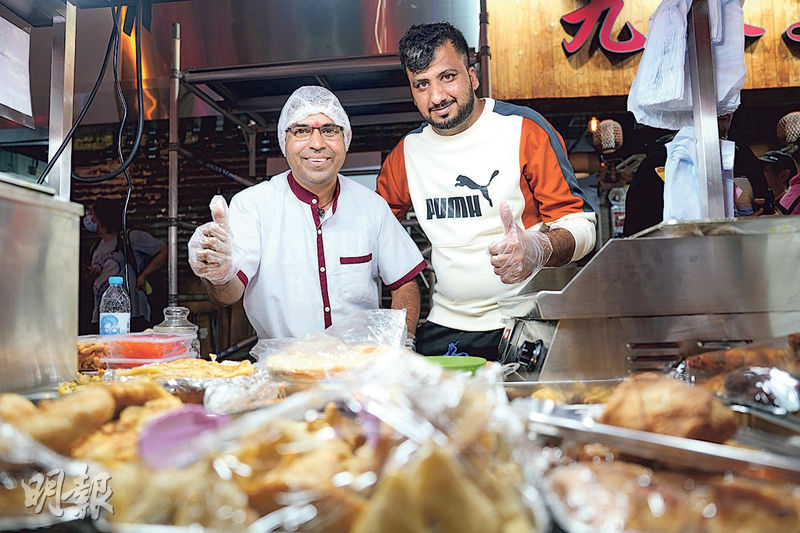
(303, 273)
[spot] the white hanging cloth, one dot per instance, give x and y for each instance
(661, 93)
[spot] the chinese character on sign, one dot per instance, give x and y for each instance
(793, 32)
(605, 13)
(87, 496)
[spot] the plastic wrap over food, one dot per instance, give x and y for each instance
(189, 379)
(781, 352)
(401, 445)
(39, 487)
(350, 344)
(593, 494)
(243, 393)
(763, 375)
(597, 480)
(767, 388)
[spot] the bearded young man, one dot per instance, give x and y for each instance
(492, 188)
(306, 248)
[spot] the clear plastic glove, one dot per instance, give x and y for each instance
(211, 248)
(520, 253)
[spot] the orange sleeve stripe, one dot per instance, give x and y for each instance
(392, 183)
(542, 163)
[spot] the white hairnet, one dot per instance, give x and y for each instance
(310, 100)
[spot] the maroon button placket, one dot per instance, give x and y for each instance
(323, 271)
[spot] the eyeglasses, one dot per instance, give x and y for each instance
(302, 132)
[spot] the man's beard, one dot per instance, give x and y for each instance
(463, 113)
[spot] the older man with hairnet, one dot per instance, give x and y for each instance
(307, 247)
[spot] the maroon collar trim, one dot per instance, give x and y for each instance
(307, 196)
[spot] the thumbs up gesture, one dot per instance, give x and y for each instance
(211, 247)
(520, 253)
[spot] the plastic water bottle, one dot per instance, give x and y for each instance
(115, 308)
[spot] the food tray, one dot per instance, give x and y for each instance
(125, 362)
(548, 419)
(566, 392)
(152, 346)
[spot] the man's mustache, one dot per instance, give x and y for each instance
(442, 105)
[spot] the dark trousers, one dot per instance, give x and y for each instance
(433, 339)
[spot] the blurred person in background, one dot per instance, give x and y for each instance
(146, 254)
(783, 179)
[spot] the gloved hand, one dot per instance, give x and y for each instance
(520, 253)
(211, 248)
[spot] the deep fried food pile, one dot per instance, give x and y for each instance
(330, 463)
(60, 424)
(655, 402)
(575, 393)
(91, 355)
(620, 496)
(80, 424)
(710, 364)
(189, 369)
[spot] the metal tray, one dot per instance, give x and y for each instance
(577, 390)
(548, 419)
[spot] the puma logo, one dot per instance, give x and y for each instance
(464, 181)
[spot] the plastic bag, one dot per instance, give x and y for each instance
(347, 345)
(27, 468)
(400, 445)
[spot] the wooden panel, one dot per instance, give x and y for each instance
(528, 60)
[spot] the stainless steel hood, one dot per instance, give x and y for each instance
(227, 33)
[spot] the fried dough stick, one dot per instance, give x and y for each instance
(63, 423)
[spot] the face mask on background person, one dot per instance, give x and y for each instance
(89, 224)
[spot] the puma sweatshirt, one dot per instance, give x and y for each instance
(456, 184)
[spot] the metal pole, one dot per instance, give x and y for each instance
(216, 168)
(250, 135)
(704, 104)
(62, 86)
(484, 54)
(174, 89)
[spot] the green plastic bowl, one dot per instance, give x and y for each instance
(458, 362)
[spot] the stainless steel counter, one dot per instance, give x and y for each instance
(39, 237)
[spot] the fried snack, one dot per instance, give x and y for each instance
(135, 392)
(712, 363)
(61, 424)
(117, 441)
(81, 381)
(189, 368)
(91, 355)
(301, 364)
(190, 496)
(577, 392)
(622, 496)
(616, 496)
(14, 407)
(657, 403)
(392, 509)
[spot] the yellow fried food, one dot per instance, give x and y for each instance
(61, 424)
(190, 368)
(655, 402)
(135, 392)
(13, 407)
(392, 509)
(117, 441)
(450, 501)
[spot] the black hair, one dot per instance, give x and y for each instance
(109, 214)
(422, 40)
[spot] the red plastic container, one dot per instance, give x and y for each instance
(150, 346)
